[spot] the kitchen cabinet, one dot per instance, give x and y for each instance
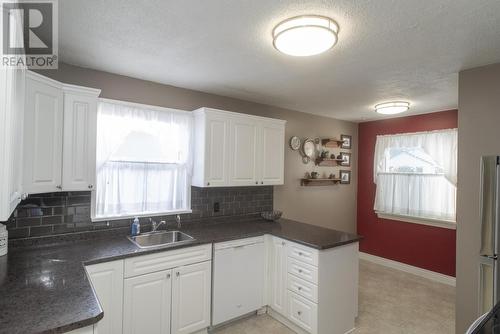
(311, 290)
(12, 95)
(107, 281)
(168, 292)
(191, 290)
(272, 153)
(84, 330)
(239, 278)
(43, 135)
(278, 273)
(59, 136)
(79, 138)
(147, 303)
(244, 152)
(211, 164)
(234, 149)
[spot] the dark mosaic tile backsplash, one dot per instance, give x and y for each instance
(69, 212)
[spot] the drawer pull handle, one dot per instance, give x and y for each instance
(300, 271)
(299, 312)
(300, 254)
(178, 274)
(299, 288)
(168, 276)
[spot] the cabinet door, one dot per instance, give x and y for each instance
(243, 153)
(12, 83)
(43, 124)
(272, 153)
(107, 280)
(191, 298)
(79, 144)
(147, 303)
(216, 151)
(278, 273)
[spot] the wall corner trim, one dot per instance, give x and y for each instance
(434, 276)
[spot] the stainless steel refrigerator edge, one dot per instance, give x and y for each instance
(489, 271)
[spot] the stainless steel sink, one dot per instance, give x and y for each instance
(160, 238)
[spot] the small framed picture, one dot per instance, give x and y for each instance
(345, 176)
(346, 159)
(346, 141)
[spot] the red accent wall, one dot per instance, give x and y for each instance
(427, 247)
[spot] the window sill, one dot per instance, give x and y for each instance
(451, 225)
(150, 214)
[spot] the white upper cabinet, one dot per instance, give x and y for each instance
(12, 83)
(79, 140)
(272, 153)
(233, 149)
(43, 131)
(244, 151)
(211, 150)
(59, 136)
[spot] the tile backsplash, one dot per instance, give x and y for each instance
(68, 212)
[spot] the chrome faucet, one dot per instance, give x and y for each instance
(178, 220)
(155, 225)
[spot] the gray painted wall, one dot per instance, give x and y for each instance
(478, 135)
(331, 206)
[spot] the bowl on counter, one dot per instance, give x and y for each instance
(271, 215)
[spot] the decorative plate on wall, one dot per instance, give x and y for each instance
(309, 148)
(295, 143)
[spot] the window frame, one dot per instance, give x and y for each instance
(93, 199)
(440, 223)
(448, 224)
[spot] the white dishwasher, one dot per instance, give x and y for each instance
(238, 278)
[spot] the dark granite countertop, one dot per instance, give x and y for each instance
(44, 287)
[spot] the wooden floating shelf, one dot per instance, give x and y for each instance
(319, 182)
(328, 162)
(331, 142)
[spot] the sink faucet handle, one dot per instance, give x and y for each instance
(178, 220)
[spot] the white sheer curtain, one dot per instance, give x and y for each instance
(144, 160)
(426, 189)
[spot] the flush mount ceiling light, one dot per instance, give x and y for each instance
(306, 35)
(391, 108)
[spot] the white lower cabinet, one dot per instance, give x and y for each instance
(278, 272)
(173, 301)
(147, 303)
(191, 291)
(159, 293)
(107, 281)
(314, 291)
(302, 312)
(84, 330)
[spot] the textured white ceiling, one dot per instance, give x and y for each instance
(388, 49)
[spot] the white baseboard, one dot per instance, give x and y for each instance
(437, 277)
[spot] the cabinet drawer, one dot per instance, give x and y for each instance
(303, 253)
(303, 288)
(145, 264)
(303, 270)
(303, 312)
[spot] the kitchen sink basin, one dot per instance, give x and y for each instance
(160, 238)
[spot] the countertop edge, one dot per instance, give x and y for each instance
(63, 328)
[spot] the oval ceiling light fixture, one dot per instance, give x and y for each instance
(392, 108)
(306, 35)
